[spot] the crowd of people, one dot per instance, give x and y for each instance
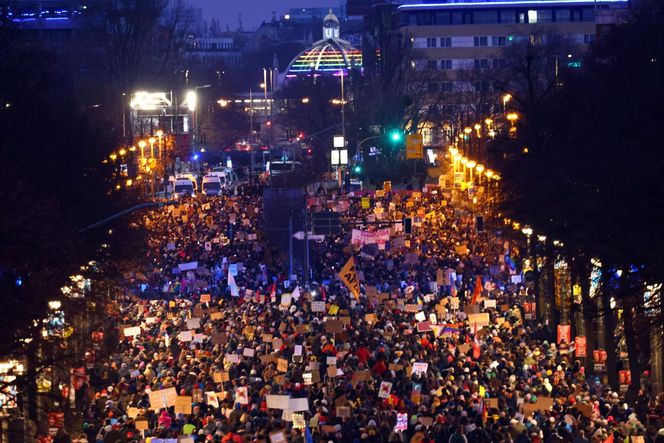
(217, 344)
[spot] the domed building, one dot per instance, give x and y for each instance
(327, 56)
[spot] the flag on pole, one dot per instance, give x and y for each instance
(235, 292)
(349, 277)
(307, 435)
(477, 291)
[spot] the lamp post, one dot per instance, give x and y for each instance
(192, 101)
(343, 107)
(142, 144)
(152, 141)
(160, 134)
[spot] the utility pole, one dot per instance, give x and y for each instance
(290, 243)
(306, 248)
(271, 101)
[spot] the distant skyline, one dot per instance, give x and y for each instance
(254, 12)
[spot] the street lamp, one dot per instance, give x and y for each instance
(159, 134)
(480, 169)
(142, 144)
(506, 98)
(152, 141)
(471, 165)
(512, 117)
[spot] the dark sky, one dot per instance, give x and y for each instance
(253, 11)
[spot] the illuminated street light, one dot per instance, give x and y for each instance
(152, 141)
(467, 130)
(191, 100)
(142, 144)
(506, 98)
(54, 305)
(527, 231)
(305, 100)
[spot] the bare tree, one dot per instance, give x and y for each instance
(142, 39)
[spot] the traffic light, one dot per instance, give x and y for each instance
(408, 225)
(357, 169)
(396, 136)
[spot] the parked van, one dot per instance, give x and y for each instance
(184, 187)
(191, 177)
(212, 185)
(226, 172)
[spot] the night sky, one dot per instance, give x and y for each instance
(253, 11)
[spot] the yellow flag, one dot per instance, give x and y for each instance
(349, 277)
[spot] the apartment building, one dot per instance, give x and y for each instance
(463, 35)
(460, 38)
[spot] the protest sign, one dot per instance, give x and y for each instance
(183, 405)
(385, 389)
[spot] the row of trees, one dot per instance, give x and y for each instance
(53, 144)
(590, 177)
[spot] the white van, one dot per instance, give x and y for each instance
(226, 172)
(211, 185)
(184, 187)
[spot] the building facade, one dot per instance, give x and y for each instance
(465, 44)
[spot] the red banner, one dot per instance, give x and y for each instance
(599, 356)
(564, 333)
(580, 348)
(625, 377)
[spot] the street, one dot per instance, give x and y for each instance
(218, 341)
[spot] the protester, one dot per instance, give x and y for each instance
(433, 343)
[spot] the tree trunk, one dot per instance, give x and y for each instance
(589, 307)
(610, 339)
(632, 349)
(31, 407)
